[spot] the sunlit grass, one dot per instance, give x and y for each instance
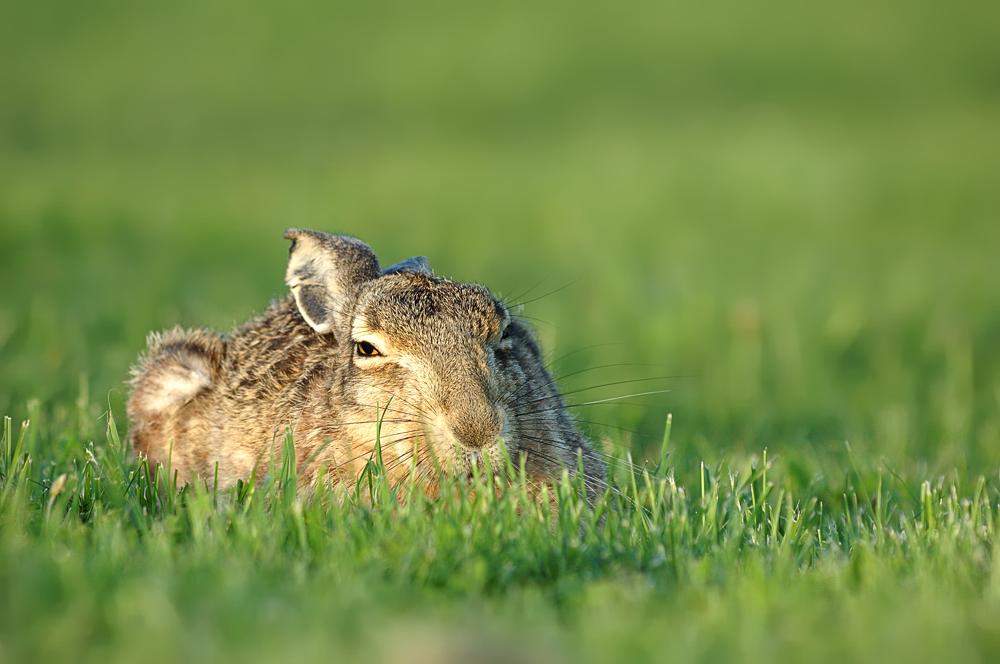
(268, 566)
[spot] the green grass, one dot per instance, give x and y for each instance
(793, 210)
(101, 563)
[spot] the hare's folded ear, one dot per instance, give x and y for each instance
(325, 273)
(414, 264)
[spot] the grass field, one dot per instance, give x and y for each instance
(792, 211)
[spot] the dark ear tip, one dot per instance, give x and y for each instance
(415, 264)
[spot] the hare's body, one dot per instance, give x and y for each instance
(434, 370)
(203, 399)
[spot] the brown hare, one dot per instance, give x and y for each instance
(437, 372)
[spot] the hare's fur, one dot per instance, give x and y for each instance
(452, 374)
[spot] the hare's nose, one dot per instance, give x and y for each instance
(475, 428)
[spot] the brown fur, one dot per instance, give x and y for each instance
(455, 372)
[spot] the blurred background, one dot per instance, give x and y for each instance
(792, 208)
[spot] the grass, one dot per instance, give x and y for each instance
(791, 210)
(101, 563)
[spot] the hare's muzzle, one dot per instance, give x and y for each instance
(475, 427)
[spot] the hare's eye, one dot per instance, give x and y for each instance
(506, 333)
(365, 349)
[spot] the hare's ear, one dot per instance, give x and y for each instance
(325, 273)
(414, 264)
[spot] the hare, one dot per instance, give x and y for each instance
(437, 372)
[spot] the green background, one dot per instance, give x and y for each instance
(795, 207)
(792, 209)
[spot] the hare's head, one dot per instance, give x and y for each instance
(451, 374)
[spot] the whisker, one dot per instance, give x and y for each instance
(380, 407)
(537, 320)
(609, 366)
(625, 396)
(598, 481)
(399, 438)
(519, 395)
(528, 389)
(598, 424)
(417, 464)
(392, 395)
(611, 384)
(357, 422)
(402, 458)
(591, 403)
(580, 350)
(610, 459)
(552, 292)
(505, 301)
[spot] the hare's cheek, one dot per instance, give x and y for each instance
(438, 432)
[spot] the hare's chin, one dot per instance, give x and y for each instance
(482, 458)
